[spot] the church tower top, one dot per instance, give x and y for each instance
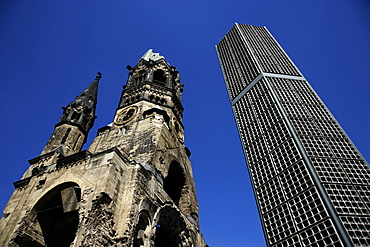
(154, 80)
(150, 55)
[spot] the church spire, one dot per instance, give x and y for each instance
(89, 96)
(78, 118)
(81, 111)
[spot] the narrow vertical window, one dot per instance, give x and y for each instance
(76, 142)
(66, 135)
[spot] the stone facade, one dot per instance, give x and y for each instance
(132, 187)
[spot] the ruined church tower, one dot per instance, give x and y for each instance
(132, 187)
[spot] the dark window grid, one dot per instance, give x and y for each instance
(279, 223)
(245, 49)
(316, 146)
(270, 54)
(270, 195)
(277, 135)
(237, 82)
(285, 155)
(226, 63)
(241, 119)
(285, 64)
(263, 171)
(242, 54)
(245, 108)
(358, 229)
(364, 193)
(357, 171)
(301, 85)
(329, 170)
(260, 101)
(260, 89)
(293, 241)
(307, 208)
(321, 234)
(235, 85)
(288, 96)
(345, 199)
(256, 131)
(250, 131)
(330, 128)
(257, 150)
(261, 107)
(308, 97)
(265, 59)
(268, 119)
(246, 139)
(259, 92)
(295, 179)
(318, 112)
(279, 83)
(296, 110)
(343, 148)
(305, 126)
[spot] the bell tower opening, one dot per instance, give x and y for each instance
(159, 76)
(57, 215)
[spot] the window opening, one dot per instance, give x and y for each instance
(159, 76)
(65, 136)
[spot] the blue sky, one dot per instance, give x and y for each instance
(51, 50)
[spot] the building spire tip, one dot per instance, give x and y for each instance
(98, 76)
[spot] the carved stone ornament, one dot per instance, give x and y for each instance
(99, 223)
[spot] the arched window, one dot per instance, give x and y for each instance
(159, 76)
(75, 116)
(142, 231)
(174, 182)
(57, 215)
(170, 229)
(140, 77)
(53, 221)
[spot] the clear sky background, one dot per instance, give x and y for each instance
(51, 50)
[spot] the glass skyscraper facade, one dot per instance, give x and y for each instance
(311, 184)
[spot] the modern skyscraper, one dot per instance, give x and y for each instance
(311, 184)
(134, 185)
